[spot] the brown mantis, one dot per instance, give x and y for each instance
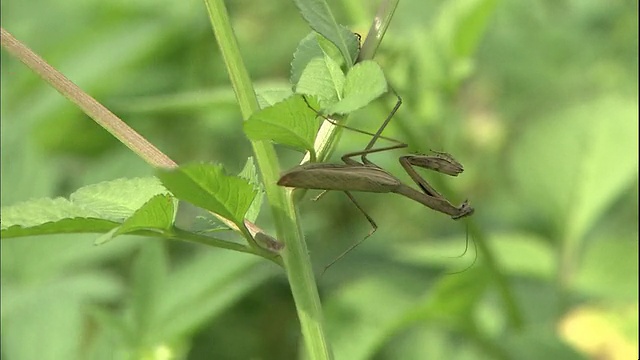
(366, 176)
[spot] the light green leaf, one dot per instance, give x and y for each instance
(459, 29)
(572, 165)
(609, 268)
(272, 96)
(92, 209)
(364, 83)
(250, 174)
(289, 122)
(471, 27)
(313, 46)
(323, 79)
(117, 199)
(461, 24)
(157, 214)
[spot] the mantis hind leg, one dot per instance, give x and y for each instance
(374, 227)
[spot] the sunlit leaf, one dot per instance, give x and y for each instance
(290, 122)
(364, 83)
(94, 208)
(323, 79)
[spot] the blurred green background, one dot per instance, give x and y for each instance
(538, 100)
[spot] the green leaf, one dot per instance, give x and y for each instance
(609, 268)
(92, 209)
(537, 342)
(272, 96)
(313, 46)
(149, 273)
(290, 123)
(471, 27)
(460, 26)
(37, 309)
(117, 199)
(353, 42)
(320, 19)
(192, 304)
(364, 83)
(454, 297)
(360, 309)
(323, 79)
(308, 49)
(569, 167)
(157, 215)
(208, 187)
(250, 174)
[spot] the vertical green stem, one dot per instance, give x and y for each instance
(295, 254)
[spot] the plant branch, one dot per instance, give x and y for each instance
(295, 254)
(100, 114)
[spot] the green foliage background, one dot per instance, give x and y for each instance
(540, 104)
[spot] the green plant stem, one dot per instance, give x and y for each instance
(378, 29)
(295, 254)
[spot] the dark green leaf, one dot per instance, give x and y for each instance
(207, 186)
(320, 19)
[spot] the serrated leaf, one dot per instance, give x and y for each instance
(323, 79)
(320, 19)
(269, 97)
(207, 186)
(308, 48)
(250, 174)
(117, 199)
(290, 123)
(313, 46)
(156, 215)
(364, 83)
(64, 226)
(92, 209)
(353, 42)
(330, 50)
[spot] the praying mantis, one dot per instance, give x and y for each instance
(366, 176)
